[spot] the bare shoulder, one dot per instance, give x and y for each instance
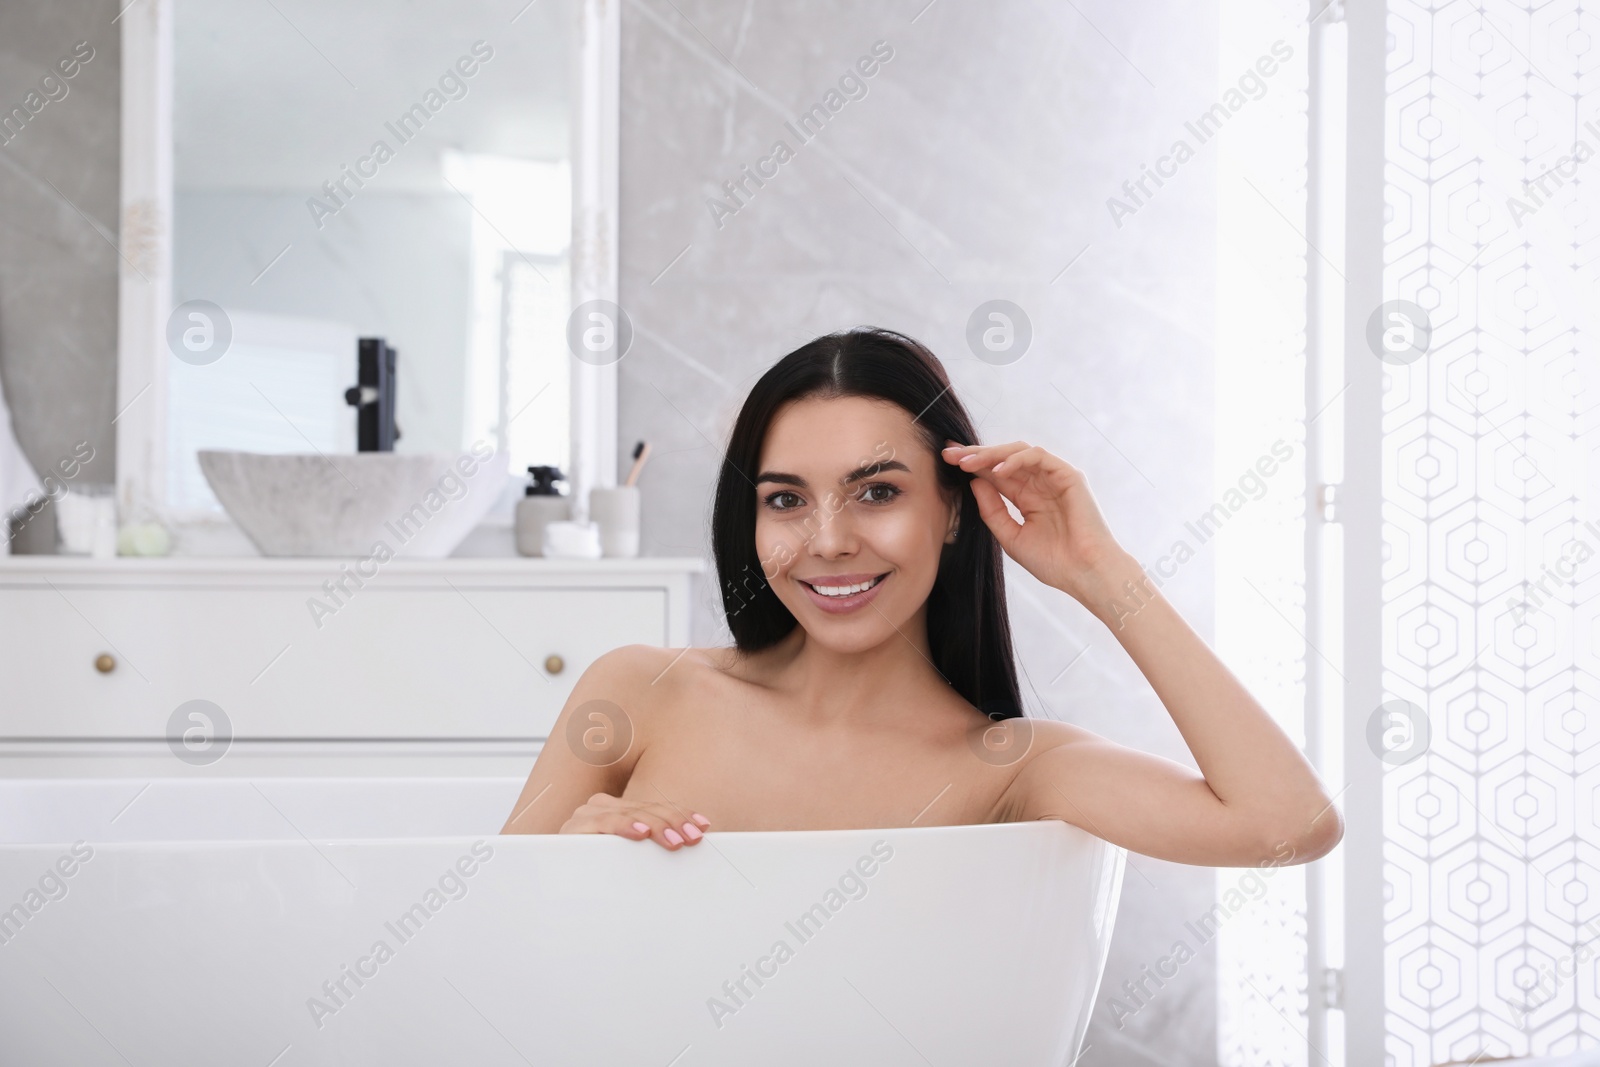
(652, 663)
(1045, 744)
(627, 663)
(644, 676)
(1053, 744)
(1053, 733)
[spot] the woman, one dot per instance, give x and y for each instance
(858, 531)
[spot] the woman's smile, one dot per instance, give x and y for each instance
(840, 594)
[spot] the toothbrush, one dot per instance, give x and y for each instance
(641, 452)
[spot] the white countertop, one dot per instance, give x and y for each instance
(264, 571)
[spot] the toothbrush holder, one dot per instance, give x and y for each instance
(615, 510)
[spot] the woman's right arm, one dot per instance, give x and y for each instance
(577, 782)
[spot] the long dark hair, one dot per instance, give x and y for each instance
(969, 633)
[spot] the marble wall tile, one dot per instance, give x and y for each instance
(58, 227)
(976, 166)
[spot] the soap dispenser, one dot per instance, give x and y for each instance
(541, 504)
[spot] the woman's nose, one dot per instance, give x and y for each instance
(834, 532)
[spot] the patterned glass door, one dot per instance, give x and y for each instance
(1485, 409)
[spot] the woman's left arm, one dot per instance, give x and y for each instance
(1256, 793)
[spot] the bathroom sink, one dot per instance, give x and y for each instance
(307, 504)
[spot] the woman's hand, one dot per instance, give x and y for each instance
(1063, 540)
(636, 820)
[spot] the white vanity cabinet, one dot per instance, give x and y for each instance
(306, 656)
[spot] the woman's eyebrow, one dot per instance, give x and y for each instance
(854, 476)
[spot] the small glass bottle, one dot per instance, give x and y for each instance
(541, 503)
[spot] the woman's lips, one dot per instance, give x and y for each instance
(843, 605)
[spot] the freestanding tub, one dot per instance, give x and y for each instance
(282, 922)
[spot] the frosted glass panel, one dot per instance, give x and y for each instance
(1489, 439)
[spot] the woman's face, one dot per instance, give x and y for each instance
(847, 496)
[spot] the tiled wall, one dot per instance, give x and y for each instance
(58, 225)
(977, 166)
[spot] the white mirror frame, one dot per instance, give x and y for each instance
(144, 290)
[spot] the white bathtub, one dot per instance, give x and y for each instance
(215, 921)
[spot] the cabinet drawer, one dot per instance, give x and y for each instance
(395, 662)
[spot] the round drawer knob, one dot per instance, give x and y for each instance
(105, 663)
(553, 664)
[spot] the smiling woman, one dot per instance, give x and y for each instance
(860, 533)
(864, 415)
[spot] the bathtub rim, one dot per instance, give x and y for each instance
(303, 839)
(141, 783)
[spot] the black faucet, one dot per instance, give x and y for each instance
(373, 396)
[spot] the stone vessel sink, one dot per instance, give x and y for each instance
(305, 504)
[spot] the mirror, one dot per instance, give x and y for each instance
(302, 182)
(369, 170)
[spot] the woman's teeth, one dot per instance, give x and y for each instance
(845, 590)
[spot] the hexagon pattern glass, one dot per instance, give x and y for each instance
(1492, 851)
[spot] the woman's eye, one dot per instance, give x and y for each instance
(890, 491)
(772, 501)
(788, 500)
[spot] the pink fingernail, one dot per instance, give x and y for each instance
(701, 819)
(672, 836)
(642, 827)
(692, 832)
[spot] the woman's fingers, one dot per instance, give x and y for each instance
(992, 509)
(981, 457)
(1062, 535)
(637, 820)
(1015, 466)
(1015, 457)
(1005, 466)
(657, 828)
(669, 825)
(673, 834)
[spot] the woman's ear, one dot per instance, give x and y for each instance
(953, 529)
